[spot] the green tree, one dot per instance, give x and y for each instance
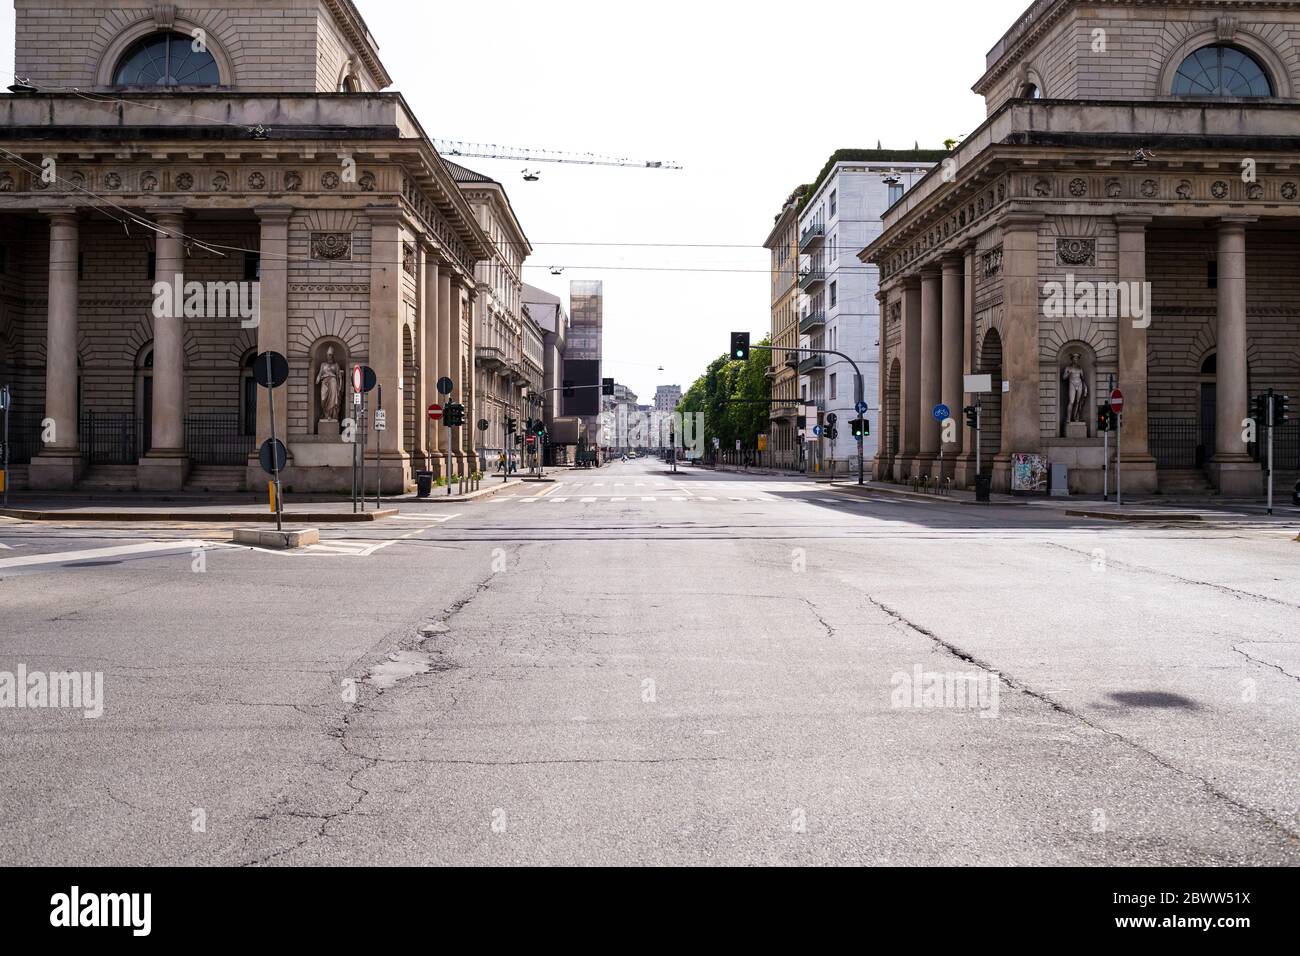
(715, 393)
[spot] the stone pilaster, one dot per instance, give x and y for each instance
(909, 425)
(386, 340)
(58, 466)
(428, 359)
(273, 330)
(965, 474)
(1139, 466)
(1022, 431)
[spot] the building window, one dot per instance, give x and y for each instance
(166, 59)
(832, 385)
(349, 84)
(895, 192)
(834, 294)
(252, 266)
(1221, 70)
(834, 202)
(1030, 91)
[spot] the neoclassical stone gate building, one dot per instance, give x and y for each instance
(244, 147)
(1127, 143)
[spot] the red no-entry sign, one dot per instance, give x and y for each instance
(1117, 401)
(435, 413)
(356, 378)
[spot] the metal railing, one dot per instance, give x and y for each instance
(108, 438)
(215, 438)
(24, 437)
(812, 363)
(812, 320)
(813, 276)
(1173, 442)
(812, 234)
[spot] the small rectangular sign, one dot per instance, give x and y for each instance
(974, 384)
(381, 420)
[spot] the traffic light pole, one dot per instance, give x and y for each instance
(857, 389)
(1270, 451)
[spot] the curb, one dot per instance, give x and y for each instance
(1136, 516)
(206, 517)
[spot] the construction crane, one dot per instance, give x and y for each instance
(454, 147)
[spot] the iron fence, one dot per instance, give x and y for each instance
(24, 437)
(216, 439)
(112, 439)
(1173, 443)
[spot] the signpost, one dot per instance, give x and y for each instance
(445, 387)
(271, 370)
(1117, 406)
(5, 402)
(364, 380)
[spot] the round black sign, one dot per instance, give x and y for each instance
(482, 424)
(368, 379)
(832, 418)
(445, 386)
(271, 369)
(281, 456)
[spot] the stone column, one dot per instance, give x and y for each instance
(386, 341)
(882, 464)
(954, 351)
(445, 367)
(965, 475)
(429, 367)
(1232, 465)
(1022, 430)
(462, 389)
(931, 370)
(58, 466)
(909, 405)
(273, 331)
(165, 467)
(1139, 467)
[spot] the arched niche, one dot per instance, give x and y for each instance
(1076, 367)
(330, 362)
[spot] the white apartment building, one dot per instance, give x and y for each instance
(840, 216)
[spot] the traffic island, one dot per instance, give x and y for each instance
(279, 540)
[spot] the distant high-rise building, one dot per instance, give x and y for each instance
(583, 351)
(667, 397)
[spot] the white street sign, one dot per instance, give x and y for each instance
(381, 420)
(975, 384)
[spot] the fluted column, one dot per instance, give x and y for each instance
(461, 390)
(445, 369)
(954, 350)
(386, 335)
(1022, 428)
(1237, 474)
(429, 353)
(965, 475)
(931, 369)
(1139, 465)
(165, 467)
(58, 466)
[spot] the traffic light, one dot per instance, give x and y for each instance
(972, 417)
(831, 434)
(1281, 409)
(1260, 413)
(539, 427)
(740, 345)
(454, 415)
(607, 386)
(861, 427)
(510, 426)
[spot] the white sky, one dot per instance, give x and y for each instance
(750, 96)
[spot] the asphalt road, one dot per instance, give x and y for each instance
(627, 666)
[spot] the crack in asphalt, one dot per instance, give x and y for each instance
(1155, 572)
(340, 732)
(1016, 684)
(1277, 667)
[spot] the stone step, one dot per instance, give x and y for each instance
(109, 478)
(216, 478)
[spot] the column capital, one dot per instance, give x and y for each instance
(273, 213)
(384, 215)
(160, 212)
(953, 262)
(1130, 223)
(1235, 223)
(912, 282)
(931, 270)
(1022, 220)
(60, 212)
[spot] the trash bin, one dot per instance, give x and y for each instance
(983, 483)
(423, 484)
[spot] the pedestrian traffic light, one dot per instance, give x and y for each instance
(1281, 409)
(740, 345)
(972, 417)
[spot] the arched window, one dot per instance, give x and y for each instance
(350, 84)
(1030, 91)
(1221, 70)
(166, 59)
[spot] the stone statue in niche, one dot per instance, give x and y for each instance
(329, 383)
(1076, 406)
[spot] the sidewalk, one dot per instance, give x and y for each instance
(217, 510)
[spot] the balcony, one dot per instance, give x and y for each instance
(811, 278)
(812, 320)
(813, 363)
(489, 356)
(812, 236)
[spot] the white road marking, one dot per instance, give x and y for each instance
(618, 499)
(126, 550)
(587, 501)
